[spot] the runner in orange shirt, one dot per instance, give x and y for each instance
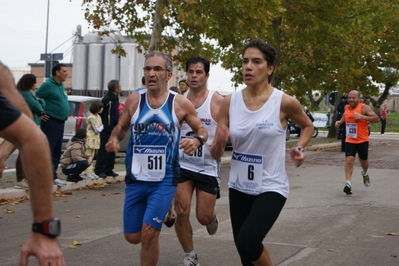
(356, 116)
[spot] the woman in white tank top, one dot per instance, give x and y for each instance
(255, 119)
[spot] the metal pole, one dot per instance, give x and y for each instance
(48, 13)
(45, 50)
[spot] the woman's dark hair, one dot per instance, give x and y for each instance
(95, 107)
(269, 53)
(26, 82)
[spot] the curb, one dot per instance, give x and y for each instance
(8, 193)
(323, 146)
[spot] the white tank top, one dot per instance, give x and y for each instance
(201, 161)
(258, 139)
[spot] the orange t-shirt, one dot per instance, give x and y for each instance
(356, 130)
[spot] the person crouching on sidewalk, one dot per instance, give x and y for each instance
(75, 160)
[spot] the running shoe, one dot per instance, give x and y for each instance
(213, 227)
(348, 189)
(190, 260)
(366, 179)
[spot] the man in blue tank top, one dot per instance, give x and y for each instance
(154, 117)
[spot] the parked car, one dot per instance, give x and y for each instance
(79, 110)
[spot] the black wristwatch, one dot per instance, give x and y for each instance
(201, 139)
(50, 227)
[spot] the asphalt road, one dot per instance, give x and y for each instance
(319, 225)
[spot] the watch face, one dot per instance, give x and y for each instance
(52, 227)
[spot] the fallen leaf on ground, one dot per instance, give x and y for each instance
(75, 243)
(392, 234)
(13, 201)
(72, 246)
(78, 216)
(9, 211)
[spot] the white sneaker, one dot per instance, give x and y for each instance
(213, 227)
(22, 184)
(93, 175)
(59, 182)
(190, 260)
(86, 176)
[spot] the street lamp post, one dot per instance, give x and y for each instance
(49, 58)
(45, 49)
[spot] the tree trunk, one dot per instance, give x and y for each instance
(377, 103)
(157, 26)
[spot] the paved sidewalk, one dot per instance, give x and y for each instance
(319, 226)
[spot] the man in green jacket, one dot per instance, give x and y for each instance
(57, 110)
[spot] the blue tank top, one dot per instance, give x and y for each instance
(153, 150)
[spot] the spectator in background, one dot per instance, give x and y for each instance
(52, 91)
(341, 129)
(27, 86)
(383, 118)
(367, 102)
(94, 128)
(143, 87)
(121, 106)
(183, 86)
(110, 117)
(175, 89)
(75, 160)
(19, 131)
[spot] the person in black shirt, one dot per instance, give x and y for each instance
(341, 129)
(110, 116)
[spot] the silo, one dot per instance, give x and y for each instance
(111, 65)
(91, 37)
(139, 73)
(128, 68)
(79, 71)
(111, 38)
(95, 68)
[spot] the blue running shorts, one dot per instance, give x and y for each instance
(146, 202)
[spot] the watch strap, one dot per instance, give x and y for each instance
(300, 148)
(50, 227)
(200, 139)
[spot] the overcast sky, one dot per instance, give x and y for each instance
(23, 34)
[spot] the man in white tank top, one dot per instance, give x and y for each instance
(199, 172)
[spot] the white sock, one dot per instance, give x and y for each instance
(348, 182)
(190, 252)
